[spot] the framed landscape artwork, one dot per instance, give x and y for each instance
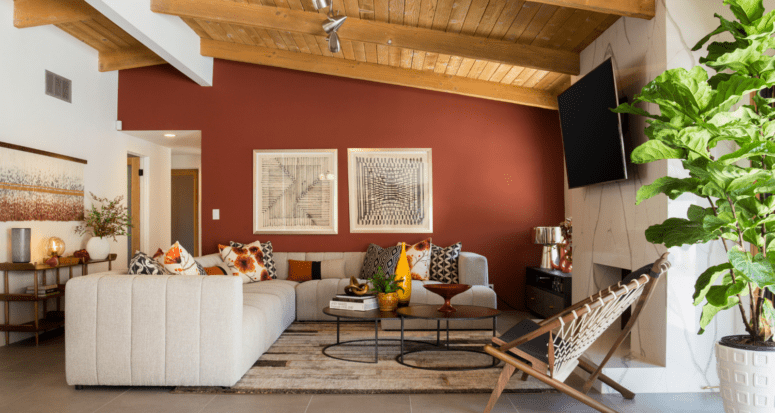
(295, 191)
(391, 190)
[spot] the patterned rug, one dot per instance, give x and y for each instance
(296, 364)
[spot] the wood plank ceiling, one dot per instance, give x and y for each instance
(510, 50)
(117, 49)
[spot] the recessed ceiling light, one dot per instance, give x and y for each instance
(169, 135)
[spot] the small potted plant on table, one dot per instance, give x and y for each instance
(110, 220)
(387, 290)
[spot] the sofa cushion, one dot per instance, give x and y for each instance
(179, 261)
(376, 257)
(284, 290)
(210, 260)
(302, 271)
(313, 296)
(444, 263)
(419, 257)
(142, 264)
(268, 251)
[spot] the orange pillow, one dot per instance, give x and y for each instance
(301, 271)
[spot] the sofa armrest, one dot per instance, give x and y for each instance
(153, 330)
(472, 269)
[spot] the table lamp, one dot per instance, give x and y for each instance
(549, 237)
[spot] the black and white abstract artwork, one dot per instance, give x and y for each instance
(391, 190)
(295, 191)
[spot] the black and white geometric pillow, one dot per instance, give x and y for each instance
(376, 256)
(444, 263)
(143, 264)
(268, 251)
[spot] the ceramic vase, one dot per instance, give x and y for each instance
(387, 302)
(98, 248)
(403, 278)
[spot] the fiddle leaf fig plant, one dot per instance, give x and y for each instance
(697, 112)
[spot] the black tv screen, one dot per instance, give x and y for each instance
(591, 133)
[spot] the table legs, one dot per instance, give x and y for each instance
(337, 330)
(376, 341)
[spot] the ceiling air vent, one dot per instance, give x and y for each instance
(59, 87)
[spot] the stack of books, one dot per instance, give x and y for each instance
(44, 290)
(355, 303)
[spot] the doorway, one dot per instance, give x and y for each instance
(133, 204)
(185, 209)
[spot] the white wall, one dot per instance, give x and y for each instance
(609, 228)
(83, 129)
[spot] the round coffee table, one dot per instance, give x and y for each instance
(366, 316)
(430, 312)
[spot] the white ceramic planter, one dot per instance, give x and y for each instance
(98, 248)
(747, 378)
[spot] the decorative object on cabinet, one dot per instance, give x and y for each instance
(55, 247)
(289, 196)
(390, 190)
(39, 185)
(447, 291)
(404, 278)
(547, 291)
(83, 255)
(20, 244)
(110, 220)
(356, 289)
(549, 237)
(49, 322)
(566, 248)
(551, 350)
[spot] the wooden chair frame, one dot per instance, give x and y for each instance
(538, 368)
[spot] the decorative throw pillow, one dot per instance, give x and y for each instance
(376, 256)
(267, 250)
(301, 271)
(444, 262)
(419, 257)
(246, 262)
(142, 264)
(178, 261)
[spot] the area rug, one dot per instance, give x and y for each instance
(296, 364)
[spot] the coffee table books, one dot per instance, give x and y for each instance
(354, 303)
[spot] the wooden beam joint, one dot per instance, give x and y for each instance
(128, 59)
(642, 9)
(32, 13)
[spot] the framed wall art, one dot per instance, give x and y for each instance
(295, 191)
(391, 190)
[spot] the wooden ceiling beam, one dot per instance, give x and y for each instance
(642, 9)
(128, 59)
(385, 34)
(32, 13)
(378, 73)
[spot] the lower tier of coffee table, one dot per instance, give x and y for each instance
(446, 347)
(376, 342)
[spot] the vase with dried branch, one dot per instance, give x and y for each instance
(104, 219)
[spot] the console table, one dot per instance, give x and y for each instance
(547, 292)
(50, 321)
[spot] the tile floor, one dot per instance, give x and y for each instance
(32, 379)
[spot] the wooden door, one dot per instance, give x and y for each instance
(133, 204)
(185, 209)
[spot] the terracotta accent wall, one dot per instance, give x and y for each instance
(497, 167)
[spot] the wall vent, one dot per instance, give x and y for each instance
(59, 87)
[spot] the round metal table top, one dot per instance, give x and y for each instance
(361, 315)
(463, 312)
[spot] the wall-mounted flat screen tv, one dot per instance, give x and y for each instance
(591, 133)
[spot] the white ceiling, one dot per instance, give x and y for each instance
(185, 142)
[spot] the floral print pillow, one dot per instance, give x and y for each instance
(178, 261)
(419, 257)
(246, 261)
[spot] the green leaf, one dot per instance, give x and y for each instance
(672, 187)
(709, 311)
(696, 213)
(758, 269)
(654, 150)
(721, 295)
(747, 11)
(749, 150)
(676, 231)
(706, 280)
(712, 223)
(729, 92)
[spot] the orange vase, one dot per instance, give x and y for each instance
(404, 278)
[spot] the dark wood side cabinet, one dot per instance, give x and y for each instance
(547, 291)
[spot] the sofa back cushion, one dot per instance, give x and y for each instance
(352, 261)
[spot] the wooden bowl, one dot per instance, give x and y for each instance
(447, 291)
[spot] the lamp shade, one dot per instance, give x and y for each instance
(55, 246)
(320, 4)
(547, 235)
(333, 43)
(20, 244)
(332, 25)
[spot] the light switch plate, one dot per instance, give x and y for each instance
(216, 214)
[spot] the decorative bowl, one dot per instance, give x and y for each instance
(447, 291)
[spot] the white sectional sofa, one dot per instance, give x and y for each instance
(179, 330)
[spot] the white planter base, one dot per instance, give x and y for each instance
(747, 379)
